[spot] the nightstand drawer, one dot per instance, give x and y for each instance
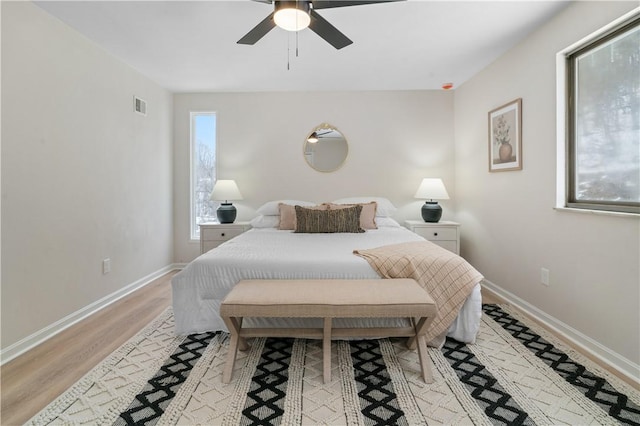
(445, 233)
(440, 233)
(220, 235)
(214, 234)
(449, 245)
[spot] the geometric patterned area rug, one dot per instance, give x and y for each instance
(514, 374)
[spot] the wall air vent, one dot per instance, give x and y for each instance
(139, 105)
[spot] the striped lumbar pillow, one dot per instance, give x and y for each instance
(328, 221)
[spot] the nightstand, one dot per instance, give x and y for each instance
(214, 234)
(445, 233)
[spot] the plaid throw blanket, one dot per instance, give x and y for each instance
(447, 277)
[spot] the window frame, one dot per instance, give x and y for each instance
(568, 160)
(194, 228)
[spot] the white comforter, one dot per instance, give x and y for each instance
(268, 253)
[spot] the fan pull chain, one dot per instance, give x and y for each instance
(288, 51)
(297, 29)
(289, 43)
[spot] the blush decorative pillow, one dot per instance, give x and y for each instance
(288, 215)
(367, 216)
(328, 221)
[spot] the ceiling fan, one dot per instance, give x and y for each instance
(295, 15)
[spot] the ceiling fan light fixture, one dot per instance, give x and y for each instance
(292, 15)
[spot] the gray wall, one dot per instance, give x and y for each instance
(511, 229)
(83, 177)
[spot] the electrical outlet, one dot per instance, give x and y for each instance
(106, 266)
(544, 276)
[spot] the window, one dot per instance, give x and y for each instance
(203, 169)
(603, 89)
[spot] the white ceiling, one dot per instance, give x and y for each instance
(190, 46)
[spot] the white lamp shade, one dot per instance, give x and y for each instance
(432, 189)
(292, 19)
(225, 190)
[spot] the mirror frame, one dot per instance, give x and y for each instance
(325, 126)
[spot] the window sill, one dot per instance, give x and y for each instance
(597, 212)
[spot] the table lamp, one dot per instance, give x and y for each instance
(432, 189)
(225, 190)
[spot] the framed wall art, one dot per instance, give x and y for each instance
(505, 137)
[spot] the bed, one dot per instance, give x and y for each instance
(266, 252)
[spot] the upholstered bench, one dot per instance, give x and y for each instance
(327, 299)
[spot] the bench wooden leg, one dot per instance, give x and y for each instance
(411, 341)
(420, 325)
(425, 362)
(326, 351)
(234, 325)
(243, 345)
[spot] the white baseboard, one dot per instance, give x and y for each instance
(51, 330)
(614, 360)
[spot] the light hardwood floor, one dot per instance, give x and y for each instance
(34, 379)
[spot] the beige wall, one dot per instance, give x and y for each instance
(83, 177)
(511, 229)
(395, 139)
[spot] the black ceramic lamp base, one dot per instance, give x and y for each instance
(226, 213)
(431, 211)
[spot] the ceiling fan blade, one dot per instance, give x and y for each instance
(328, 32)
(258, 31)
(327, 4)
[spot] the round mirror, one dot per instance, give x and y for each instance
(325, 148)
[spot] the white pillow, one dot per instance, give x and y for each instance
(265, 221)
(387, 222)
(270, 208)
(385, 207)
